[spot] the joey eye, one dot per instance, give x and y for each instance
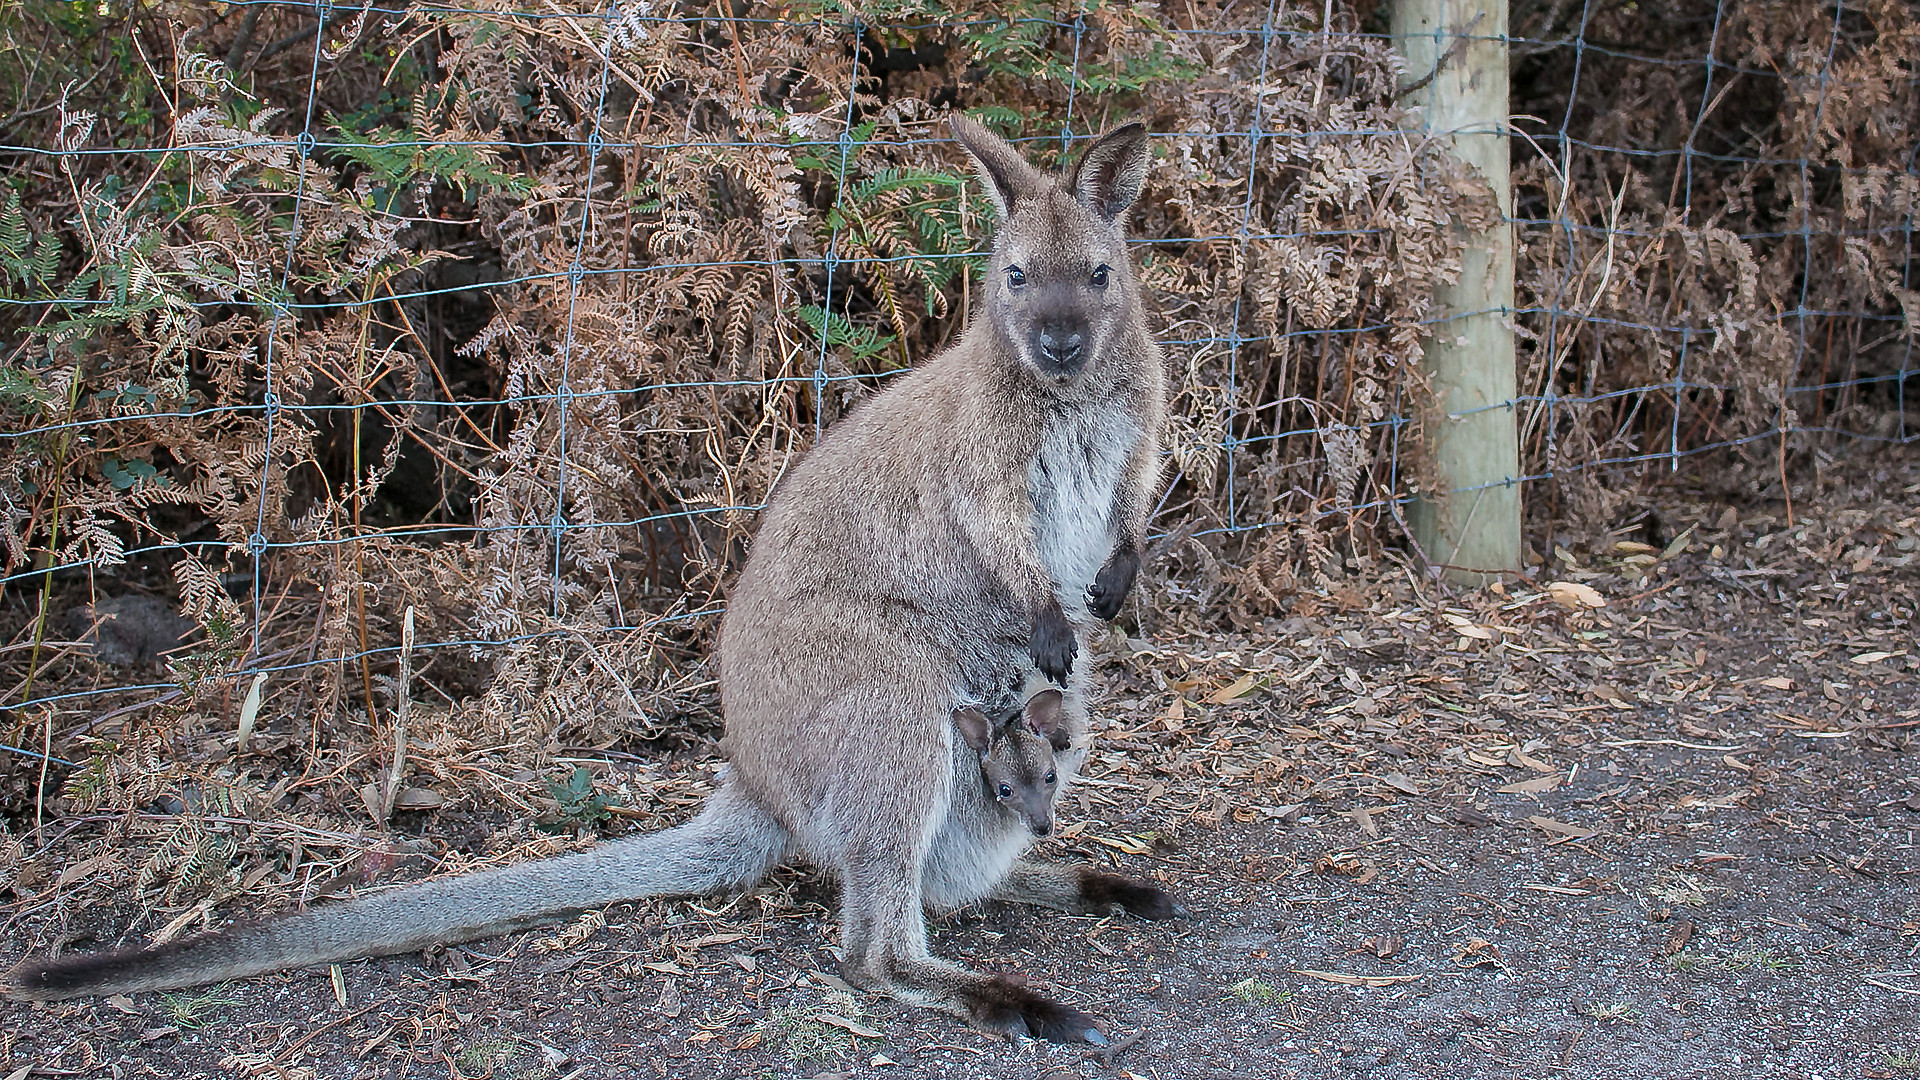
(1099, 278)
(1006, 791)
(1016, 277)
(1051, 778)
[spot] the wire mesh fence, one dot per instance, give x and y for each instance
(504, 318)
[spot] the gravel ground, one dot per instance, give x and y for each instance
(1486, 834)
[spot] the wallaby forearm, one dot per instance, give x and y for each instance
(999, 525)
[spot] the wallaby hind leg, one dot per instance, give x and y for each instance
(1083, 890)
(884, 935)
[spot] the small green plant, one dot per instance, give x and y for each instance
(827, 1030)
(1687, 961)
(1903, 1062)
(1251, 991)
(492, 1057)
(862, 342)
(193, 1011)
(25, 260)
(1616, 1011)
(580, 806)
(1760, 959)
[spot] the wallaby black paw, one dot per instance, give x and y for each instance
(1102, 891)
(1053, 646)
(1111, 584)
(1006, 1006)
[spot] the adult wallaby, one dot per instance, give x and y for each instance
(989, 504)
(1016, 756)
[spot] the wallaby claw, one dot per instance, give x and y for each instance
(1111, 584)
(1093, 1035)
(1053, 646)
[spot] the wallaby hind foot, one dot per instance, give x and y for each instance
(1001, 1003)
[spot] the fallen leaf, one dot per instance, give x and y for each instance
(1610, 694)
(1399, 782)
(84, 869)
(249, 710)
(1575, 596)
(1777, 683)
(1478, 952)
(1131, 847)
(1384, 946)
(1525, 760)
(854, 1026)
(1561, 827)
(1238, 688)
(1364, 820)
(1536, 786)
(1678, 938)
(414, 798)
(1679, 544)
(1361, 871)
(1875, 657)
(1345, 979)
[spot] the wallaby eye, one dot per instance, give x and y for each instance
(1016, 277)
(1052, 779)
(1099, 279)
(1006, 791)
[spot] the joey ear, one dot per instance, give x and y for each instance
(974, 727)
(1006, 175)
(1046, 715)
(1111, 173)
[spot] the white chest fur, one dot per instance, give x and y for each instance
(1072, 483)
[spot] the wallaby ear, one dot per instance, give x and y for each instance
(974, 727)
(1003, 172)
(1046, 715)
(1111, 173)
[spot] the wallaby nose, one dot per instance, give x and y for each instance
(1060, 347)
(1042, 828)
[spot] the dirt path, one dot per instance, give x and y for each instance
(1491, 835)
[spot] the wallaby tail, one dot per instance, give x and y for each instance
(729, 845)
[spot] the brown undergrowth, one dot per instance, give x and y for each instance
(508, 349)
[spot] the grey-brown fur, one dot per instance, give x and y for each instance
(988, 505)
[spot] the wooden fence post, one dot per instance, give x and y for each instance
(1470, 528)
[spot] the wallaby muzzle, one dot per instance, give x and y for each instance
(1060, 348)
